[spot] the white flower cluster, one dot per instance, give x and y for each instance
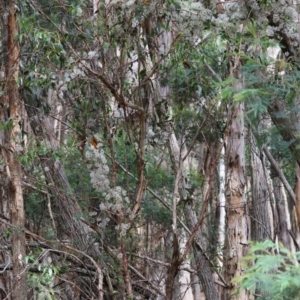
(202, 13)
(222, 20)
(87, 60)
(291, 13)
(77, 72)
(115, 198)
(123, 227)
(281, 13)
(61, 87)
(99, 173)
(285, 16)
(270, 31)
(159, 136)
(18, 147)
(253, 5)
(102, 222)
(235, 11)
(294, 36)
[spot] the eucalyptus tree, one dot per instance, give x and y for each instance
(11, 147)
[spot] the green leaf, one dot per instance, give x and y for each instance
(142, 74)
(244, 94)
(227, 93)
(274, 274)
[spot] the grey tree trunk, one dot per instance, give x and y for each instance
(59, 186)
(288, 126)
(297, 204)
(204, 270)
(203, 267)
(282, 226)
(260, 204)
(195, 282)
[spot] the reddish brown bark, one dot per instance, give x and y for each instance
(11, 148)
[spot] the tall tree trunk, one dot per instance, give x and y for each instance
(195, 282)
(11, 148)
(182, 286)
(289, 128)
(260, 206)
(204, 270)
(203, 267)
(283, 225)
(296, 215)
(222, 212)
(71, 216)
(236, 222)
(297, 204)
(6, 278)
(58, 185)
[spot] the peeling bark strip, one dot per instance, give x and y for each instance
(10, 150)
(236, 222)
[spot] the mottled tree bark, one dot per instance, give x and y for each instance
(236, 223)
(11, 147)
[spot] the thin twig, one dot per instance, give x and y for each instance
(51, 214)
